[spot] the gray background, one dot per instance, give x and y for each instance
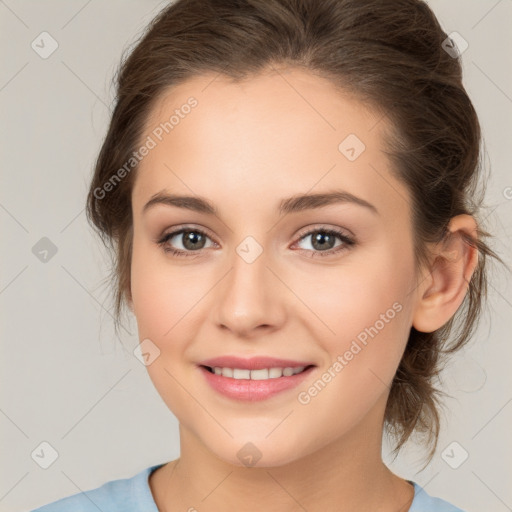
(68, 381)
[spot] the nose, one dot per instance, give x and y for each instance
(250, 300)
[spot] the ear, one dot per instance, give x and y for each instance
(443, 290)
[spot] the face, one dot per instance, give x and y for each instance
(321, 282)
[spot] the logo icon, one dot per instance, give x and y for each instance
(44, 45)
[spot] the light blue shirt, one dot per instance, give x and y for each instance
(134, 495)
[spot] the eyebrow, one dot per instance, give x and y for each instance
(293, 204)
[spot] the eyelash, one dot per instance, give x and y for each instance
(347, 241)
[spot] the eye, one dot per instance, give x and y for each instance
(323, 241)
(191, 239)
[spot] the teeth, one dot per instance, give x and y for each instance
(227, 372)
(240, 374)
(274, 373)
(263, 374)
(287, 372)
(259, 374)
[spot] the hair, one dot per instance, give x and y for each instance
(386, 53)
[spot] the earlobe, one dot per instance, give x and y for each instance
(454, 261)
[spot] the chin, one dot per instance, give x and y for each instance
(258, 451)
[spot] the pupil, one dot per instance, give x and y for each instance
(320, 239)
(192, 237)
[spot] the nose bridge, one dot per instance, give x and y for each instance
(249, 296)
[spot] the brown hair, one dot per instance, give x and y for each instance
(388, 54)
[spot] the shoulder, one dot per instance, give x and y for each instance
(123, 495)
(423, 502)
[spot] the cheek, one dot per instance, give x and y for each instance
(162, 293)
(365, 306)
(164, 297)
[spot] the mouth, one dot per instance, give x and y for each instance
(257, 374)
(252, 385)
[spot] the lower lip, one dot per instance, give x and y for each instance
(253, 390)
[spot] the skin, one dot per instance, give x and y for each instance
(245, 147)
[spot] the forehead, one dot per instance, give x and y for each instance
(275, 134)
(293, 103)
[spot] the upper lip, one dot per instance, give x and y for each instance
(252, 363)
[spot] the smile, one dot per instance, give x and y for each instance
(253, 385)
(261, 374)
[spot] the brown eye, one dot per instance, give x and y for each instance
(323, 242)
(193, 240)
(184, 241)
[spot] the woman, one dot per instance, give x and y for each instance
(288, 187)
